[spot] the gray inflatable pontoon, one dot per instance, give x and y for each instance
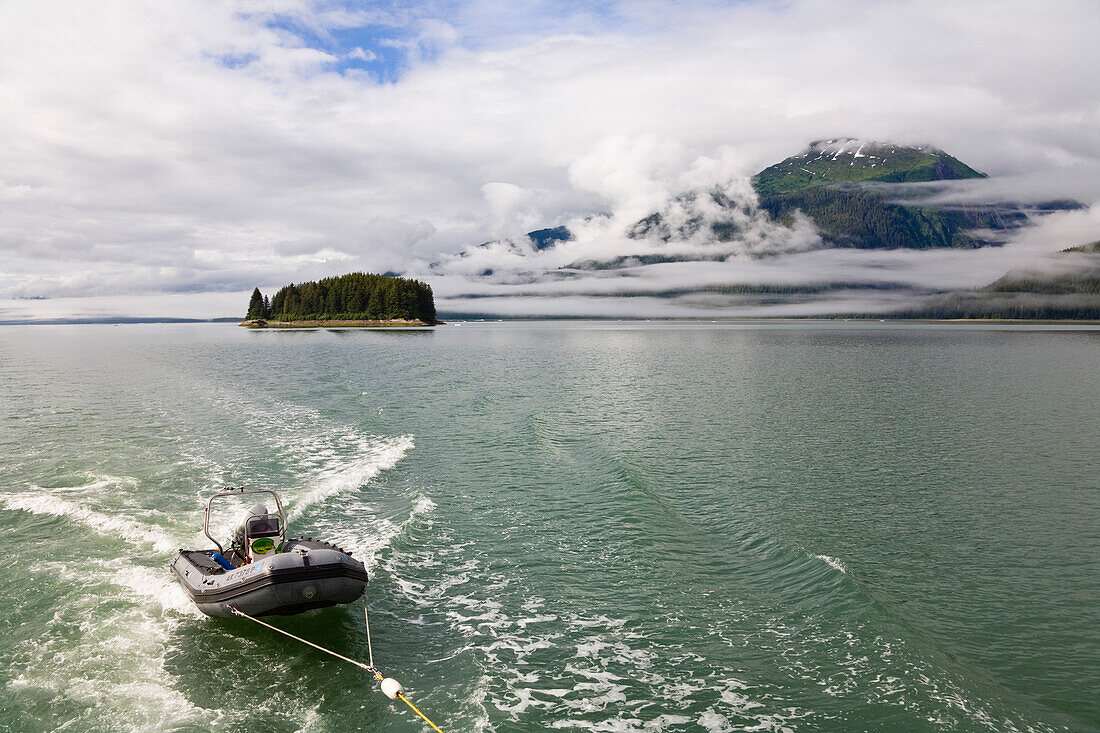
(265, 573)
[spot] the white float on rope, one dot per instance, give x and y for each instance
(391, 688)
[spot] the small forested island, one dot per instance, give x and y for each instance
(356, 299)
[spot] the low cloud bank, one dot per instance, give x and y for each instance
(711, 250)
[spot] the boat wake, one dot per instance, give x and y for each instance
(48, 502)
(368, 546)
(378, 454)
(833, 563)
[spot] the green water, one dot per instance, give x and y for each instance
(575, 526)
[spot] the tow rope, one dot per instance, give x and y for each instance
(391, 688)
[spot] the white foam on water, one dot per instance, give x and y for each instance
(614, 677)
(44, 502)
(113, 669)
(833, 563)
(544, 618)
(513, 650)
(97, 481)
(734, 700)
(367, 546)
(623, 724)
(422, 505)
(302, 434)
(380, 455)
(154, 586)
(480, 695)
(521, 648)
(302, 439)
(852, 663)
(328, 460)
(525, 699)
(158, 587)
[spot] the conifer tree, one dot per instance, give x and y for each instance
(255, 306)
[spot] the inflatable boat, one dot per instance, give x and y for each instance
(262, 572)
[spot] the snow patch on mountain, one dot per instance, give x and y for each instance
(861, 148)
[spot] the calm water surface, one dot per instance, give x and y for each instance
(576, 526)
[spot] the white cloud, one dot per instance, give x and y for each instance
(632, 174)
(194, 146)
(361, 54)
(513, 209)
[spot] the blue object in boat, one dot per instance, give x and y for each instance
(222, 561)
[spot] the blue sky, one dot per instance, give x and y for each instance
(382, 39)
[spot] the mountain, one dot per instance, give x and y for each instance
(1079, 275)
(849, 160)
(781, 243)
(861, 194)
(856, 194)
(1065, 285)
(544, 238)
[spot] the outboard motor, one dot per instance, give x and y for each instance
(258, 535)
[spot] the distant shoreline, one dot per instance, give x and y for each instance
(468, 318)
(766, 319)
(390, 323)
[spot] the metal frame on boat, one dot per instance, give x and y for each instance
(241, 491)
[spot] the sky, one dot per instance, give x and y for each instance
(165, 158)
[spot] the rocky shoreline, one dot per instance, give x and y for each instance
(391, 323)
